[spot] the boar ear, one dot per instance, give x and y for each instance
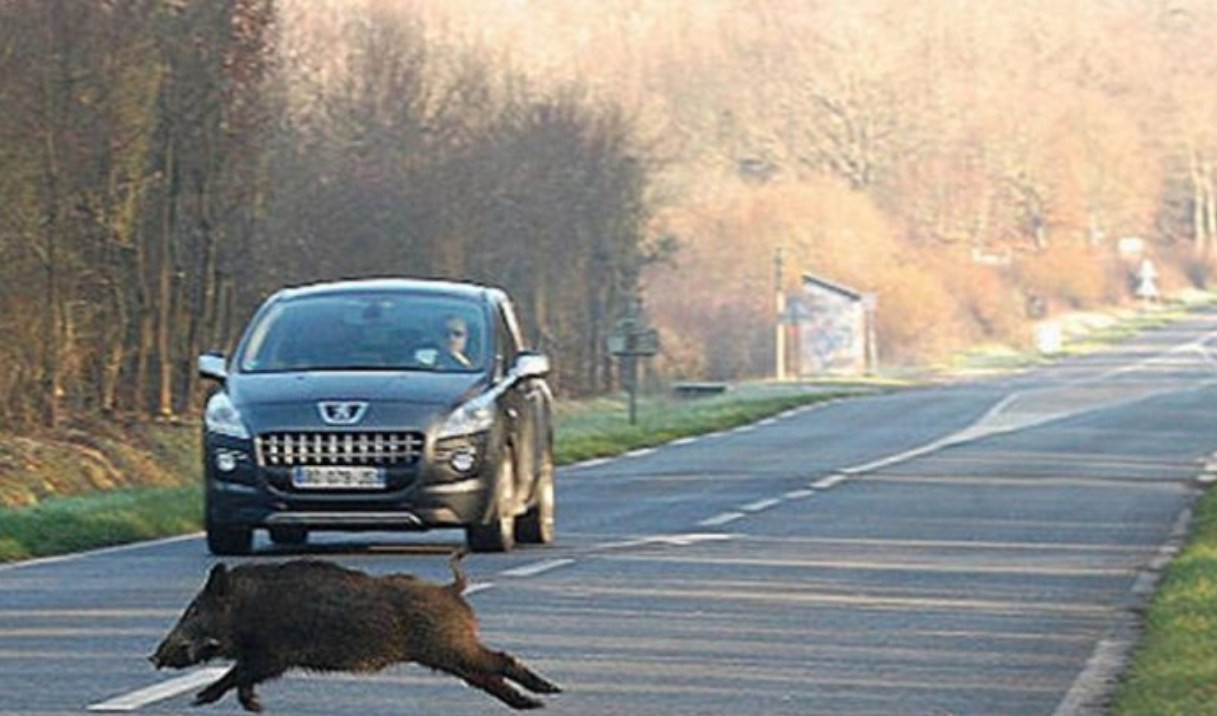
(217, 581)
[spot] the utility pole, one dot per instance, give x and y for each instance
(780, 333)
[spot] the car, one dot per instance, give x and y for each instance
(379, 404)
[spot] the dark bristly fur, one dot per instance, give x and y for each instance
(317, 615)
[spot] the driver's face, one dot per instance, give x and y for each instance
(457, 334)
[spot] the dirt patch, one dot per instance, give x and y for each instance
(100, 455)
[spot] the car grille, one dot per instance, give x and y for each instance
(330, 448)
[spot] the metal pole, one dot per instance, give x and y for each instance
(632, 363)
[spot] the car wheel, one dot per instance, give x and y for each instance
(288, 535)
(537, 526)
(498, 535)
(229, 541)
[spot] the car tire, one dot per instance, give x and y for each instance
(537, 526)
(288, 535)
(229, 541)
(498, 535)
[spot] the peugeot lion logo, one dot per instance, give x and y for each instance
(342, 413)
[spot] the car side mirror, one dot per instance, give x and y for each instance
(212, 365)
(531, 365)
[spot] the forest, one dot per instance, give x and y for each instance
(169, 163)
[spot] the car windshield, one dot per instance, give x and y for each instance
(368, 331)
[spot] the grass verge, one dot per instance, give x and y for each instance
(1174, 669)
(68, 524)
(585, 429)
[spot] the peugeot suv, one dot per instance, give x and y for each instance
(379, 404)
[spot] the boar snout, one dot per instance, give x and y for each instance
(179, 655)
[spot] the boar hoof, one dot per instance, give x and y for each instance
(249, 700)
(206, 696)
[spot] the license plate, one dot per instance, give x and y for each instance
(338, 478)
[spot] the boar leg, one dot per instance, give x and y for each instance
(509, 666)
(249, 700)
(494, 685)
(217, 688)
(243, 676)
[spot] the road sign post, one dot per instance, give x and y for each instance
(628, 342)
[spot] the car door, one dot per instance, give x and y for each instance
(507, 347)
(526, 402)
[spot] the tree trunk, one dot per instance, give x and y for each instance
(1201, 198)
(51, 309)
(164, 292)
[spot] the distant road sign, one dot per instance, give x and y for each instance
(634, 343)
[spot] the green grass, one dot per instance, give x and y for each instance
(601, 427)
(67, 524)
(1174, 668)
(585, 429)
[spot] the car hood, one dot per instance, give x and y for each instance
(289, 401)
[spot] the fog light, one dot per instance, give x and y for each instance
(463, 460)
(226, 461)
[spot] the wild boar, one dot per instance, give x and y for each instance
(317, 615)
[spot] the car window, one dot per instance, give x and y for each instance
(368, 331)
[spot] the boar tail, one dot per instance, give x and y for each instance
(459, 580)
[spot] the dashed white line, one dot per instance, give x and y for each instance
(829, 482)
(640, 452)
(479, 587)
(690, 538)
(799, 494)
(530, 570)
(160, 692)
(684, 441)
(675, 540)
(721, 519)
(760, 505)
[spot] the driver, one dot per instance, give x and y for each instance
(456, 341)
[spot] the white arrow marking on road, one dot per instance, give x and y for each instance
(159, 692)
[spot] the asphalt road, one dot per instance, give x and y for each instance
(974, 548)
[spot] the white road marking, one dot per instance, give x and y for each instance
(479, 587)
(760, 505)
(160, 692)
(94, 552)
(721, 519)
(768, 421)
(799, 494)
(1108, 660)
(691, 538)
(829, 482)
(592, 463)
(744, 429)
(676, 540)
(684, 441)
(531, 570)
(640, 452)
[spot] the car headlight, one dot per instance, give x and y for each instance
(222, 417)
(475, 416)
